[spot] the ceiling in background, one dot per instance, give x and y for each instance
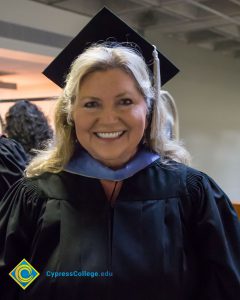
(20, 75)
(212, 24)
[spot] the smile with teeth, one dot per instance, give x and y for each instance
(109, 135)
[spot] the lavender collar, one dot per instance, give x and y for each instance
(84, 164)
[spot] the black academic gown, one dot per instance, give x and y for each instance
(12, 163)
(171, 235)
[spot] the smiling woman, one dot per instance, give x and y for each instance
(115, 194)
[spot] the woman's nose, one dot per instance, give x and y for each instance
(109, 116)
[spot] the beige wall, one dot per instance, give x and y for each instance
(207, 93)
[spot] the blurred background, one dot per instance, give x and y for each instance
(201, 37)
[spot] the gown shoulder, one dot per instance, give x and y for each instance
(12, 163)
(215, 231)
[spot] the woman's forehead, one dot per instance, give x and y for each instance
(111, 75)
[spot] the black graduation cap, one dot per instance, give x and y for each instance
(105, 26)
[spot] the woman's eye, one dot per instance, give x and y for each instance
(91, 104)
(126, 101)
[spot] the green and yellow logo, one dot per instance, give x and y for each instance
(24, 274)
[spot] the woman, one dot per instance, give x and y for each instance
(26, 124)
(1, 125)
(12, 163)
(111, 212)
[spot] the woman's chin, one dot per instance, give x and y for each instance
(113, 160)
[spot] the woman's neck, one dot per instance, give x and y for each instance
(112, 189)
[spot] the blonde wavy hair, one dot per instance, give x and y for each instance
(99, 58)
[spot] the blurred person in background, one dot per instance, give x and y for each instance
(12, 161)
(28, 125)
(1, 125)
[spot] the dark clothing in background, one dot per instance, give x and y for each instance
(172, 235)
(12, 163)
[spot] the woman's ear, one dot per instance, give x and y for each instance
(148, 118)
(70, 120)
(146, 122)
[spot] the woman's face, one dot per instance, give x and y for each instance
(110, 116)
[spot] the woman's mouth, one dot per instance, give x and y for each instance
(109, 135)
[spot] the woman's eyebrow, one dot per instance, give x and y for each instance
(124, 94)
(89, 98)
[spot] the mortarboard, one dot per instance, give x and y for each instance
(103, 27)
